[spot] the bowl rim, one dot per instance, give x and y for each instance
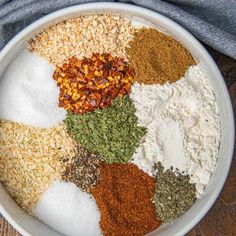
(145, 11)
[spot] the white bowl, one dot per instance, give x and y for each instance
(28, 225)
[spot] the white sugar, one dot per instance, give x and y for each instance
(67, 209)
(28, 93)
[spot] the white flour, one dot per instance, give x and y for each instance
(28, 93)
(183, 126)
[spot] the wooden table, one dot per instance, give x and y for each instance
(221, 219)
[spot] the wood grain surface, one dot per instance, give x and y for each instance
(221, 219)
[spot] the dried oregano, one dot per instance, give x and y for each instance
(111, 132)
(174, 194)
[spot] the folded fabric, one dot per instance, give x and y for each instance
(212, 22)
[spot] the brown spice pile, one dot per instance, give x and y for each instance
(83, 36)
(157, 58)
(124, 197)
(83, 170)
(92, 83)
(31, 158)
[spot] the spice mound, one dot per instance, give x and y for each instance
(68, 210)
(82, 36)
(111, 132)
(124, 198)
(31, 158)
(92, 83)
(157, 58)
(174, 194)
(83, 169)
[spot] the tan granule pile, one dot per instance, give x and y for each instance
(83, 36)
(31, 158)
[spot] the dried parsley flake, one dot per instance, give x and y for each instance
(111, 132)
(174, 194)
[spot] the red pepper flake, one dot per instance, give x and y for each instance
(92, 83)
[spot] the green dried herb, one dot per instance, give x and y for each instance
(111, 132)
(174, 194)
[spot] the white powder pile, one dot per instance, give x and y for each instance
(183, 126)
(67, 209)
(28, 93)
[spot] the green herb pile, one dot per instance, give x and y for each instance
(174, 194)
(111, 132)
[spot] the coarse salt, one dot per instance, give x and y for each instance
(28, 94)
(183, 126)
(68, 210)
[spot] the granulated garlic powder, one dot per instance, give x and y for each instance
(183, 126)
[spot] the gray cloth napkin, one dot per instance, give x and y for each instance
(211, 21)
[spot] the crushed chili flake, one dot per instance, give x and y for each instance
(92, 83)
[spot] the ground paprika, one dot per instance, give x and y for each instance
(124, 197)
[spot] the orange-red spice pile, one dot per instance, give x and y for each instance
(124, 197)
(92, 83)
